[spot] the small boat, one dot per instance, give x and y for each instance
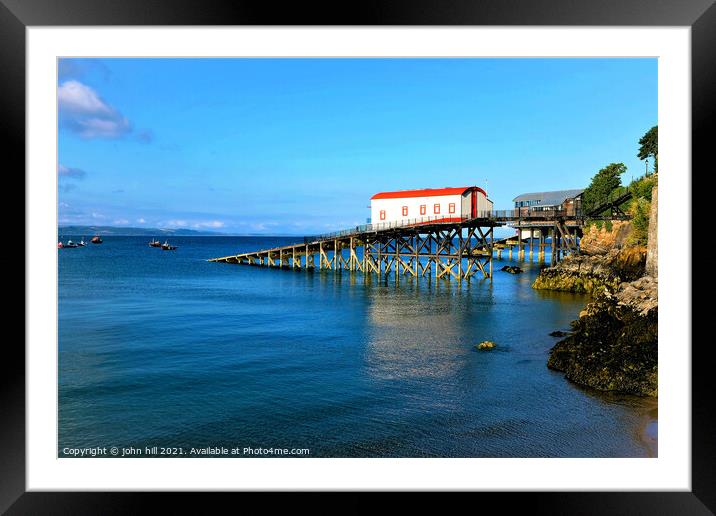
(60, 245)
(155, 243)
(69, 245)
(82, 242)
(167, 247)
(96, 239)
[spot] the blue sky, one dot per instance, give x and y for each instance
(298, 146)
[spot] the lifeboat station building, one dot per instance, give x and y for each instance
(429, 205)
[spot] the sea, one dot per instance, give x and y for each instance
(168, 354)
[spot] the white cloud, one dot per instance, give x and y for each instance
(121, 222)
(209, 224)
(196, 224)
(176, 223)
(75, 97)
(84, 112)
(140, 220)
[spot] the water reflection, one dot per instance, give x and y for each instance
(419, 328)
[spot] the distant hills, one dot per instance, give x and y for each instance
(89, 231)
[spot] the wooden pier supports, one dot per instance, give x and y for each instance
(564, 240)
(520, 245)
(453, 251)
(532, 240)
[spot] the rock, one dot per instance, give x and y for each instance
(593, 274)
(485, 344)
(614, 344)
(641, 295)
(559, 333)
(597, 241)
(512, 269)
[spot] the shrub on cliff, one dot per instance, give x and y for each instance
(639, 211)
(642, 187)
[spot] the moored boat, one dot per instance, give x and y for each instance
(96, 239)
(167, 247)
(82, 242)
(69, 245)
(155, 243)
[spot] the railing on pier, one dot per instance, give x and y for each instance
(512, 215)
(383, 226)
(417, 244)
(517, 214)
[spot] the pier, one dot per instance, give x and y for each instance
(439, 247)
(459, 245)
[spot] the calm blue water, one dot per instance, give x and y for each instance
(165, 349)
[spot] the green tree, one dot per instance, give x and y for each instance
(603, 183)
(649, 146)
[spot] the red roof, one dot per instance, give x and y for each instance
(427, 192)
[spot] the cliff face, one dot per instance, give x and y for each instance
(613, 345)
(598, 241)
(652, 268)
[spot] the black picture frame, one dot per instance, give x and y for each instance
(17, 15)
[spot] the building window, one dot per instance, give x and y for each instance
(436, 209)
(382, 214)
(405, 211)
(422, 209)
(451, 207)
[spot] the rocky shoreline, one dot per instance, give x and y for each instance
(613, 344)
(594, 274)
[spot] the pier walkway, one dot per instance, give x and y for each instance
(443, 246)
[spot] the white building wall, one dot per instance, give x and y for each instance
(394, 208)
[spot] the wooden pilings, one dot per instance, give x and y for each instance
(532, 239)
(564, 240)
(443, 251)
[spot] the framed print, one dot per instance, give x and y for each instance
(416, 249)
